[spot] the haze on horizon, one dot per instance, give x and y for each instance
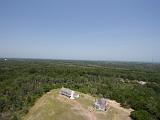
(126, 30)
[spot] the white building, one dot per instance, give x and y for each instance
(100, 104)
(142, 82)
(69, 93)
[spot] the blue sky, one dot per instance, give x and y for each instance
(125, 30)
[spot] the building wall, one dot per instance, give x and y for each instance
(70, 95)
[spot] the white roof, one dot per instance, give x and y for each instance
(67, 90)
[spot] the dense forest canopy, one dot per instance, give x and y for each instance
(22, 81)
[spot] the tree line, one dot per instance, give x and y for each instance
(22, 82)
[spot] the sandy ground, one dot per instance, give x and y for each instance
(90, 113)
(114, 111)
(114, 104)
(86, 112)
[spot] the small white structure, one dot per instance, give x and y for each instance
(100, 104)
(142, 82)
(69, 93)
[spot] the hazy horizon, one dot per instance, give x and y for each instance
(94, 60)
(81, 30)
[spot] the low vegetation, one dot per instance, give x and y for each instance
(22, 81)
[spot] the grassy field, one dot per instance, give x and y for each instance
(53, 106)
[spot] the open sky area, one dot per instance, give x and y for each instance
(121, 30)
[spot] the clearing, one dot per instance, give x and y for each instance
(53, 106)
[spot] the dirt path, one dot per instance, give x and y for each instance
(86, 112)
(89, 114)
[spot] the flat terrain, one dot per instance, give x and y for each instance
(53, 106)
